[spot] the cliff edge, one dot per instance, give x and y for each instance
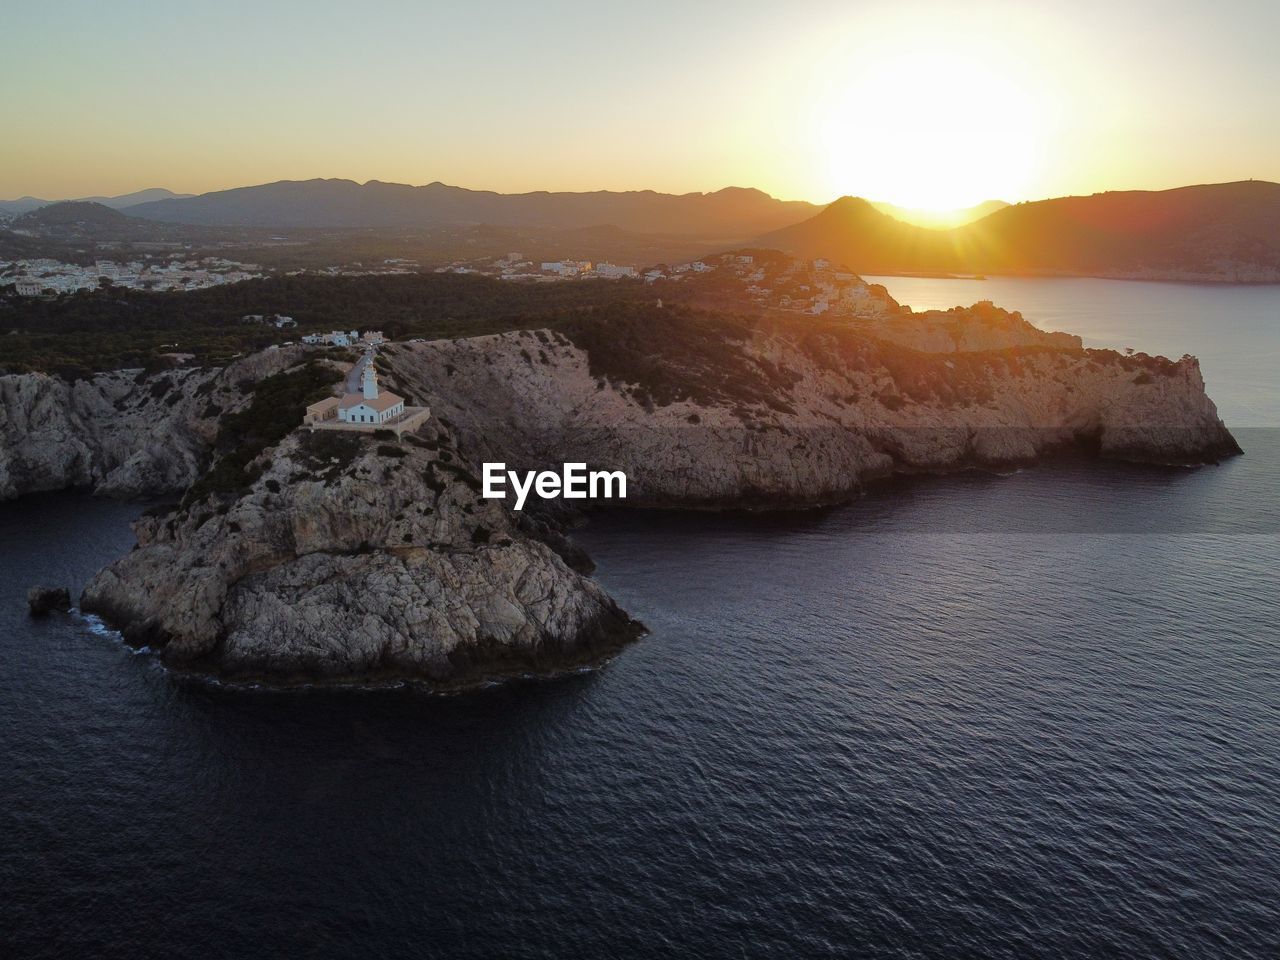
(354, 557)
(705, 410)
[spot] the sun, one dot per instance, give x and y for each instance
(932, 130)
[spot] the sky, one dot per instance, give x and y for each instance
(923, 104)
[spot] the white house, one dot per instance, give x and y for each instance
(338, 338)
(370, 406)
(27, 287)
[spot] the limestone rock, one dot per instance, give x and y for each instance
(355, 558)
(122, 434)
(789, 415)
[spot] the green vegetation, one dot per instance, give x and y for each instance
(328, 454)
(665, 355)
(278, 405)
(112, 329)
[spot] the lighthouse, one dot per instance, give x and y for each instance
(364, 405)
(370, 407)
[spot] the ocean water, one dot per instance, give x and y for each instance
(1035, 715)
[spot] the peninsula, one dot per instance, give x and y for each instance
(302, 553)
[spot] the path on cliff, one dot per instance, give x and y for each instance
(356, 373)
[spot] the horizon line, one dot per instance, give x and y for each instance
(690, 193)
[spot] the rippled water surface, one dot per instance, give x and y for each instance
(976, 716)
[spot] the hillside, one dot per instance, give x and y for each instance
(940, 220)
(14, 208)
(732, 213)
(80, 213)
(87, 220)
(1216, 232)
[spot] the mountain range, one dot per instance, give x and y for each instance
(733, 213)
(1210, 232)
(14, 208)
(940, 219)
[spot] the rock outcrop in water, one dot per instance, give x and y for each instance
(41, 601)
(355, 557)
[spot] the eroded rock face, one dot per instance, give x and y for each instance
(121, 434)
(355, 557)
(787, 415)
(982, 326)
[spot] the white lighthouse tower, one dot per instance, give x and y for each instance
(370, 407)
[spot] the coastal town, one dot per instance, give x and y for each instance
(765, 279)
(43, 277)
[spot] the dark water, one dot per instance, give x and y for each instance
(1023, 716)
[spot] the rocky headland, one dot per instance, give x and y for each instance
(715, 412)
(303, 556)
(354, 557)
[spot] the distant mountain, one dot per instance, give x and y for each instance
(1216, 232)
(150, 195)
(68, 212)
(15, 208)
(940, 220)
(81, 220)
(732, 213)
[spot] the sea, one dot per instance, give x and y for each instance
(1020, 716)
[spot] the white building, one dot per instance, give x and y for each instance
(336, 338)
(614, 271)
(566, 268)
(28, 287)
(370, 406)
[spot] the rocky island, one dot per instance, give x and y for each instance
(301, 555)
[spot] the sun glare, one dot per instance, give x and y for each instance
(930, 129)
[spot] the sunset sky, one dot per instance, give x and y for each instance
(921, 104)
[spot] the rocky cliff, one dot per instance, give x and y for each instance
(712, 412)
(124, 433)
(354, 557)
(329, 555)
(981, 327)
